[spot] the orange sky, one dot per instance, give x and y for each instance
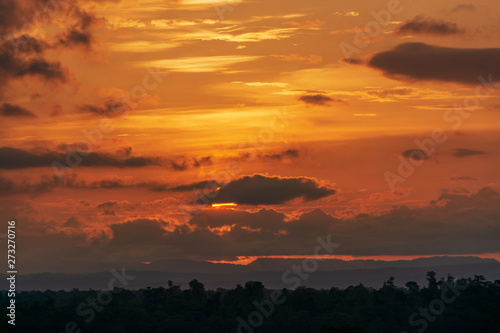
(369, 121)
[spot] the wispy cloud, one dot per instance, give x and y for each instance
(201, 64)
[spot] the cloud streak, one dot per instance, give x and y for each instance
(318, 99)
(421, 25)
(9, 110)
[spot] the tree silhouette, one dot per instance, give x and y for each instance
(412, 286)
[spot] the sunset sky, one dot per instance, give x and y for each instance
(126, 122)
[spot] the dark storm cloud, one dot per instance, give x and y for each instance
(318, 99)
(421, 25)
(415, 154)
(13, 158)
(263, 190)
(419, 61)
(9, 110)
(463, 152)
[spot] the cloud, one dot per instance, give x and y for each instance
(9, 110)
(21, 56)
(188, 163)
(39, 157)
(308, 24)
(75, 37)
(56, 111)
(202, 161)
(263, 190)
(72, 222)
(218, 233)
(421, 25)
(46, 184)
(318, 99)
(346, 13)
(201, 64)
(141, 231)
(415, 154)
(206, 184)
(419, 61)
(400, 231)
(12, 13)
(125, 151)
(462, 178)
(311, 58)
(464, 8)
(107, 204)
(79, 33)
(107, 183)
(463, 152)
(179, 166)
(13, 158)
(351, 61)
(111, 108)
(287, 154)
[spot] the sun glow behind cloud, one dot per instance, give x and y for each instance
(226, 204)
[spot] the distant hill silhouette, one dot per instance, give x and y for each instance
(330, 273)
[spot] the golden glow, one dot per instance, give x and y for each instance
(221, 230)
(227, 204)
(245, 260)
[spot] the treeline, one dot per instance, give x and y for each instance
(442, 305)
